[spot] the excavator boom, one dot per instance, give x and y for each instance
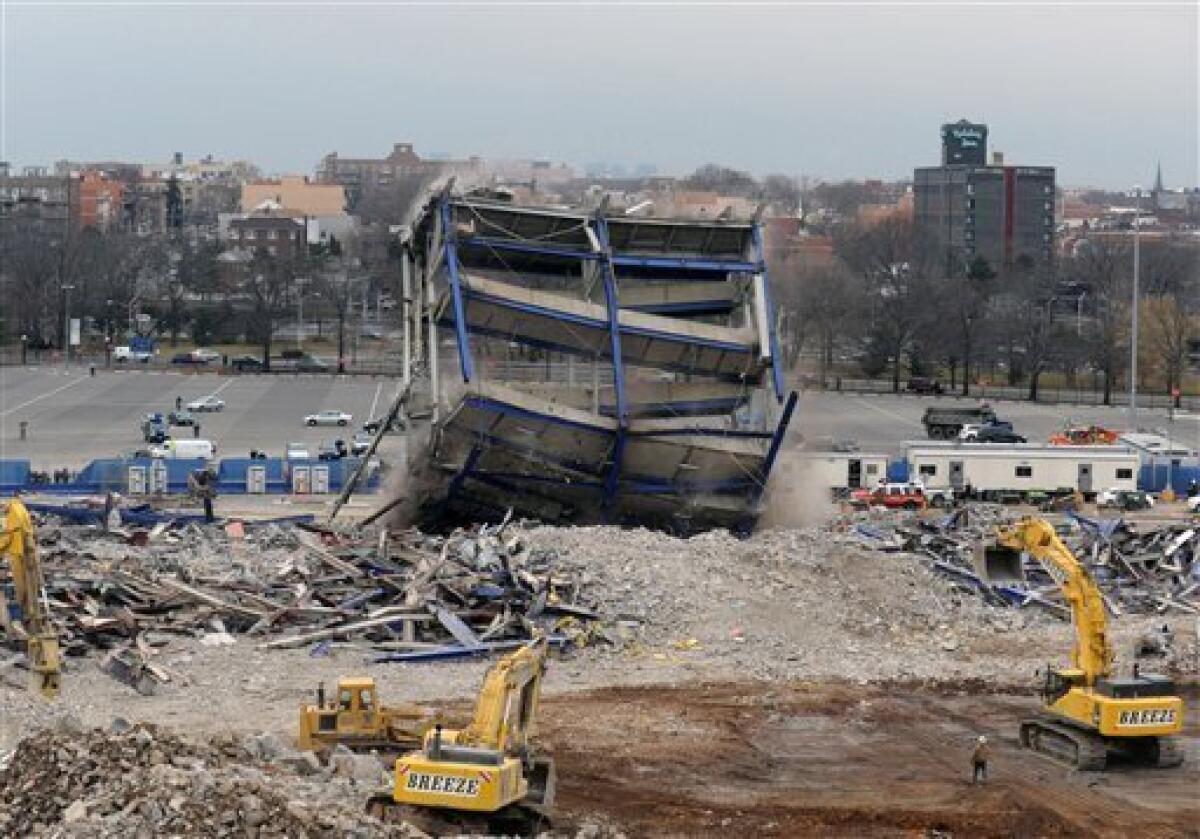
(20, 549)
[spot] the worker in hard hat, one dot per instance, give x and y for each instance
(16, 542)
(979, 758)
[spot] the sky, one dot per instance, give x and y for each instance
(835, 90)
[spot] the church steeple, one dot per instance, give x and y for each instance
(1158, 184)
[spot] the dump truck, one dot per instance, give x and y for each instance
(944, 422)
(356, 720)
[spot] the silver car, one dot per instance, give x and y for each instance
(208, 403)
(329, 418)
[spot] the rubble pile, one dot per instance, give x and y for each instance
(142, 781)
(405, 595)
(1140, 569)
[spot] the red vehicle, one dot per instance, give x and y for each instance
(893, 496)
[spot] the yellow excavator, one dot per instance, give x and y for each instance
(1088, 714)
(19, 546)
(485, 778)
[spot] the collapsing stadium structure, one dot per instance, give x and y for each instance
(589, 367)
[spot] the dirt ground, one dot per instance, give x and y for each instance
(829, 759)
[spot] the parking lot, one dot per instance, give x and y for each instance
(884, 423)
(74, 418)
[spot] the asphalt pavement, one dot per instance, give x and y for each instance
(74, 418)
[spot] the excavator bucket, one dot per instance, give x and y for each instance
(998, 564)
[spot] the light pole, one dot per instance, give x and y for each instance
(1133, 347)
(24, 348)
(66, 324)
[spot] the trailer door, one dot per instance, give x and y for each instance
(256, 480)
(1085, 477)
(854, 474)
(137, 480)
(956, 474)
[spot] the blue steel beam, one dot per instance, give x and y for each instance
(677, 263)
(613, 480)
(776, 442)
(460, 318)
(776, 362)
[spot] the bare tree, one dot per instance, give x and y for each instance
(268, 283)
(1104, 269)
(1166, 329)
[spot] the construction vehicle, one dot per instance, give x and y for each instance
(1085, 435)
(356, 720)
(29, 621)
(484, 778)
(1088, 714)
(943, 422)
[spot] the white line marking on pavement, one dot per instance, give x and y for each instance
(221, 388)
(29, 402)
(375, 401)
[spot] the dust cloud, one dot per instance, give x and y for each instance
(796, 496)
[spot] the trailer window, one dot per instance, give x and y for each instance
(1124, 474)
(872, 468)
(1024, 471)
(929, 469)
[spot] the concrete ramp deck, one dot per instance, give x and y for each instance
(557, 322)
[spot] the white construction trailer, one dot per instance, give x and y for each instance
(1003, 470)
(841, 472)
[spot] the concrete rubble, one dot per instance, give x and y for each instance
(1140, 568)
(142, 781)
(402, 595)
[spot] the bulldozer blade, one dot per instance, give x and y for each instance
(998, 564)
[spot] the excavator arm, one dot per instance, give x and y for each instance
(506, 711)
(20, 549)
(1091, 652)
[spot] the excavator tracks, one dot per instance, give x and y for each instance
(515, 820)
(1081, 749)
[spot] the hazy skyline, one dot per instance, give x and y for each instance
(1102, 92)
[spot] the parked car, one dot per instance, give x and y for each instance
(332, 451)
(208, 403)
(1125, 499)
(328, 418)
(185, 358)
(181, 418)
(296, 451)
(186, 449)
(360, 442)
(246, 364)
(155, 428)
(371, 426)
(902, 496)
(204, 355)
(122, 354)
(998, 434)
(924, 385)
(971, 430)
(308, 364)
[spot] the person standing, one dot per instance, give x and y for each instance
(979, 760)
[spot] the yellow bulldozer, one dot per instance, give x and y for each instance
(485, 778)
(355, 719)
(1088, 713)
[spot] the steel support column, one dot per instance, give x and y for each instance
(776, 363)
(613, 479)
(450, 247)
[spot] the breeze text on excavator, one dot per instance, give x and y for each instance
(1088, 713)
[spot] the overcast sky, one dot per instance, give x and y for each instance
(1103, 92)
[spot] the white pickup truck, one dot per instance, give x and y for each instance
(130, 354)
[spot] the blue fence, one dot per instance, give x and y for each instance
(235, 476)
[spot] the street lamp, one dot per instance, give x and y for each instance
(66, 323)
(24, 347)
(1133, 348)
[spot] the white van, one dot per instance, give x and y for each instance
(186, 449)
